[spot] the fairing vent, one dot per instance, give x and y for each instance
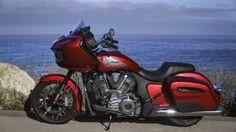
(190, 90)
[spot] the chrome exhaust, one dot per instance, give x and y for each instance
(107, 110)
(170, 112)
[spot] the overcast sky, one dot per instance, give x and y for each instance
(213, 17)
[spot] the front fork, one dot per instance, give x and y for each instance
(62, 86)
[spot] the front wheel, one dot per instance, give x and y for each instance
(61, 111)
(185, 121)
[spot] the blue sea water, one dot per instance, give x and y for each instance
(149, 51)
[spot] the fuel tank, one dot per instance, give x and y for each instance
(115, 61)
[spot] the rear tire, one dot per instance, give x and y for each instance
(53, 113)
(185, 121)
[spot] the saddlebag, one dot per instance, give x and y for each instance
(188, 94)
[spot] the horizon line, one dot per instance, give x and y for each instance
(126, 34)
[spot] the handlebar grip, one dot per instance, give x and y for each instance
(114, 46)
(115, 41)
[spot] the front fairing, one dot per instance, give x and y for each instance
(65, 39)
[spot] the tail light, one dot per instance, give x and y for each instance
(218, 92)
(218, 88)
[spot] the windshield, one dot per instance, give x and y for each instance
(78, 27)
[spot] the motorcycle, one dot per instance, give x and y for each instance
(115, 85)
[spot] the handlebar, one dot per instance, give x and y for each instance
(108, 42)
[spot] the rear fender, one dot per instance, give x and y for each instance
(70, 84)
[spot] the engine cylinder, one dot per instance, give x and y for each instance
(116, 92)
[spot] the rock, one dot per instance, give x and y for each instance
(15, 87)
(13, 78)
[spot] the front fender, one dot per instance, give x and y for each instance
(70, 84)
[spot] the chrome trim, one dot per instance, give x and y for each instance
(218, 88)
(104, 109)
(170, 112)
(87, 101)
(88, 104)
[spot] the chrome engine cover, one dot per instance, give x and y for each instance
(127, 106)
(116, 91)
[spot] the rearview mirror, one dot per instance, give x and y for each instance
(111, 32)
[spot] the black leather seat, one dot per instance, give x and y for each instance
(167, 69)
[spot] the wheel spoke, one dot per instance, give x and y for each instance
(41, 95)
(45, 113)
(53, 116)
(57, 116)
(50, 86)
(47, 110)
(64, 113)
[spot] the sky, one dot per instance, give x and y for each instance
(188, 17)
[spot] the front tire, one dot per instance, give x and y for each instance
(55, 113)
(185, 121)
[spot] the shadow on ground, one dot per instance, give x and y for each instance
(104, 119)
(28, 108)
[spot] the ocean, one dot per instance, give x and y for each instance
(149, 51)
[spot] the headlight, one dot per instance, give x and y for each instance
(58, 54)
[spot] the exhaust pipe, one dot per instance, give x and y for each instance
(171, 112)
(107, 110)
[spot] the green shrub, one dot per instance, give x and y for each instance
(232, 109)
(11, 100)
(227, 80)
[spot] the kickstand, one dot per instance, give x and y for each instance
(107, 127)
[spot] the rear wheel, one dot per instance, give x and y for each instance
(57, 112)
(185, 121)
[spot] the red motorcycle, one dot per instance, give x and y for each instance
(115, 85)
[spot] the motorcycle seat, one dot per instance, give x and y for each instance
(167, 69)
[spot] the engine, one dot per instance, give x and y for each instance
(116, 92)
